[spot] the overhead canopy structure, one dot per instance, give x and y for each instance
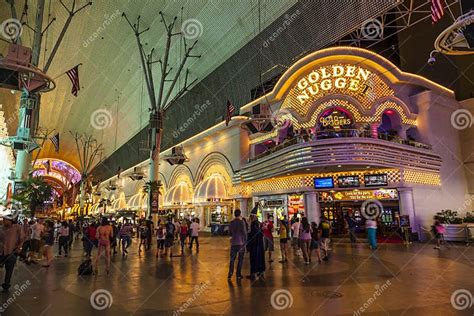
(59, 174)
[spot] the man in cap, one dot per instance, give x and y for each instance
(10, 246)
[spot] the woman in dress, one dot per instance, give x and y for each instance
(305, 239)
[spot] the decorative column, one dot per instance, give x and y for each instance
(244, 206)
(311, 207)
(407, 206)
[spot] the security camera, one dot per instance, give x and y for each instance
(432, 58)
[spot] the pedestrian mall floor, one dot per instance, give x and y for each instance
(393, 280)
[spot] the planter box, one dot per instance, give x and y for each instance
(470, 231)
(455, 232)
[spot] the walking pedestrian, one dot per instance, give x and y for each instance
(143, 231)
(351, 226)
(151, 229)
(238, 234)
(26, 233)
(10, 243)
(371, 226)
(283, 232)
(267, 228)
(126, 236)
(295, 235)
(64, 238)
(195, 234)
(160, 239)
(256, 249)
(183, 234)
(315, 241)
(305, 239)
(90, 239)
(325, 233)
(169, 237)
(113, 240)
(104, 234)
(48, 237)
(37, 230)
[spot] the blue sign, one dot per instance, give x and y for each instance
(323, 183)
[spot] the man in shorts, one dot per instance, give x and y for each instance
(267, 228)
(37, 231)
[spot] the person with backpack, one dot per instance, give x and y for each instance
(169, 237)
(325, 233)
(183, 234)
(143, 231)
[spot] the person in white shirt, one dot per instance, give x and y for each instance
(295, 229)
(194, 234)
(37, 231)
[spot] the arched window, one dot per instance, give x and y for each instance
(390, 126)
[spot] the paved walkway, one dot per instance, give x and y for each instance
(394, 280)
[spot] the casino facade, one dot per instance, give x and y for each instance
(343, 131)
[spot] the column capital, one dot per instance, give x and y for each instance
(405, 189)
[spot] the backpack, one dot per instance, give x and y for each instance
(85, 268)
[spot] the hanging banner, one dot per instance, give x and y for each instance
(154, 202)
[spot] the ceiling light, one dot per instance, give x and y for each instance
(339, 166)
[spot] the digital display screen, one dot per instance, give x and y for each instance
(348, 181)
(373, 180)
(323, 183)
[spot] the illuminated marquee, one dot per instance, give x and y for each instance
(346, 77)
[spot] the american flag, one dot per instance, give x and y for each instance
(229, 111)
(73, 75)
(55, 140)
(47, 166)
(437, 10)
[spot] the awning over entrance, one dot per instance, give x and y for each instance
(178, 195)
(211, 189)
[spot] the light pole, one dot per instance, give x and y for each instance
(159, 105)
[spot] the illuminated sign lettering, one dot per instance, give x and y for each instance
(334, 121)
(347, 77)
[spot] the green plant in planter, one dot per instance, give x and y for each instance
(152, 186)
(469, 218)
(449, 217)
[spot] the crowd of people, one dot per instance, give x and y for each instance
(257, 239)
(32, 239)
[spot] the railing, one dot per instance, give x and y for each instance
(343, 133)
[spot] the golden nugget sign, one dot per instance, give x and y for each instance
(343, 77)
